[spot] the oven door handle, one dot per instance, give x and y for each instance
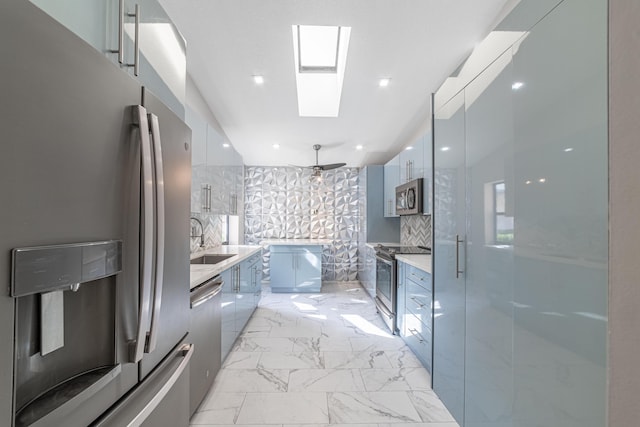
(384, 260)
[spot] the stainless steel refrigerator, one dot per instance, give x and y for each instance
(95, 177)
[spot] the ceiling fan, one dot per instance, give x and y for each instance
(317, 168)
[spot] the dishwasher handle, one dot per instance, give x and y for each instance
(204, 292)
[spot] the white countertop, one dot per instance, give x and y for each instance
(423, 262)
(301, 242)
(200, 273)
(373, 245)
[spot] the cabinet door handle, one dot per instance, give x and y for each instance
(415, 332)
(458, 241)
(417, 302)
(136, 37)
(136, 43)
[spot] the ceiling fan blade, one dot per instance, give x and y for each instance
(331, 166)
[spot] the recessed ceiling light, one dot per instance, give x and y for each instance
(359, 147)
(445, 149)
(567, 150)
(542, 180)
(258, 80)
(527, 182)
(409, 147)
(517, 85)
(276, 146)
(384, 82)
(226, 145)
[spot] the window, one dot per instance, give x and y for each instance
(318, 48)
(320, 54)
(502, 224)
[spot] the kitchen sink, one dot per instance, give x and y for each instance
(211, 259)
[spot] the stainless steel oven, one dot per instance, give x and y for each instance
(387, 280)
(386, 288)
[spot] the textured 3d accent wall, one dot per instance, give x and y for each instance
(415, 230)
(284, 203)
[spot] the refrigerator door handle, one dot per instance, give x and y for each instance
(159, 233)
(186, 352)
(140, 118)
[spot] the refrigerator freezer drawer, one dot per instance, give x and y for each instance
(161, 400)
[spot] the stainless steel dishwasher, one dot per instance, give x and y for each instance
(205, 334)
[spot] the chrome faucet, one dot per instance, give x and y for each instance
(193, 231)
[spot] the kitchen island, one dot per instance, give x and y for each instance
(296, 264)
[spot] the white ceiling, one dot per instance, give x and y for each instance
(417, 43)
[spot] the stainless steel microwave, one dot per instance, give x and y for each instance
(409, 198)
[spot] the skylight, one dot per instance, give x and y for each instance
(320, 54)
(318, 48)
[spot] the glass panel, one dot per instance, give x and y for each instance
(163, 61)
(449, 221)
(384, 280)
(560, 209)
(489, 276)
(86, 18)
(318, 45)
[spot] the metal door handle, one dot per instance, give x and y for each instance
(120, 50)
(209, 198)
(136, 43)
(140, 119)
(159, 232)
(136, 37)
(415, 332)
(186, 351)
(417, 302)
(458, 241)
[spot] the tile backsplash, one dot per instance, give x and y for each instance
(214, 230)
(283, 202)
(415, 230)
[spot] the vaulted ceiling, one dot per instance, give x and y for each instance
(416, 43)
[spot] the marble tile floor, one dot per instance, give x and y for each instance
(320, 360)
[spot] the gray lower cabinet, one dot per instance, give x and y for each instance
(240, 296)
(296, 268)
(415, 311)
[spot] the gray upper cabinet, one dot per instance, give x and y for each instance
(95, 21)
(391, 181)
(412, 161)
(427, 162)
(218, 170)
(159, 63)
